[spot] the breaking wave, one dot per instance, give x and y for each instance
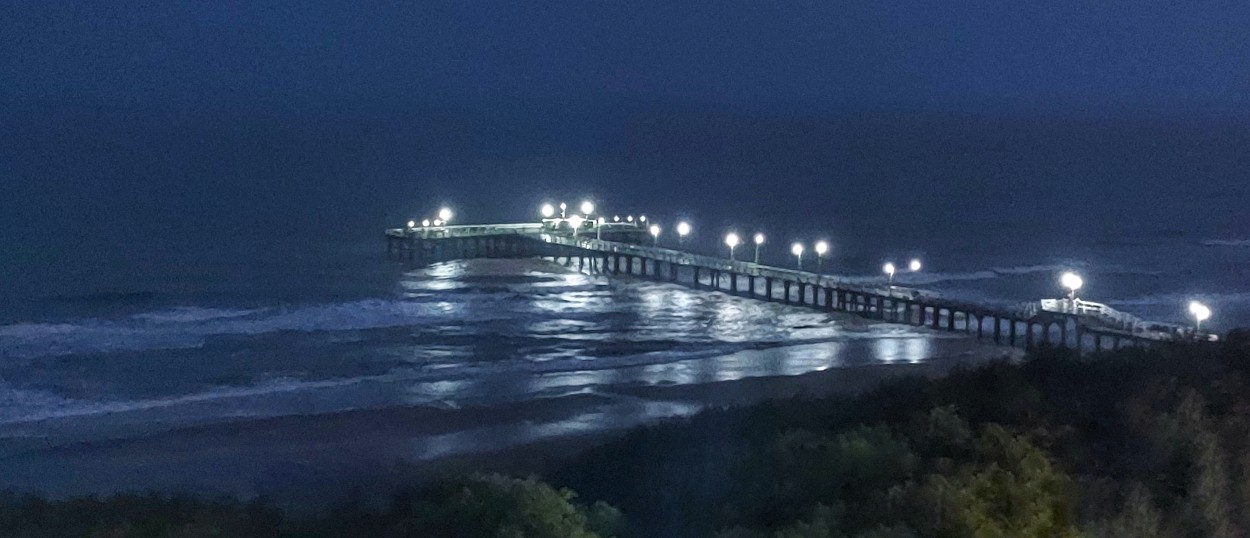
(1227, 242)
(189, 327)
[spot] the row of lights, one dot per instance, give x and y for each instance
(1069, 280)
(443, 219)
(548, 212)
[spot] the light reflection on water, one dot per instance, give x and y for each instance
(487, 332)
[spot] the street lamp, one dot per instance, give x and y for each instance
(576, 222)
(563, 207)
(642, 218)
(914, 265)
(444, 214)
(797, 250)
(629, 218)
(655, 233)
(1200, 312)
(732, 240)
(587, 208)
(888, 269)
(548, 211)
(683, 229)
(599, 228)
(425, 223)
(759, 240)
(412, 224)
(616, 218)
(1073, 282)
(821, 248)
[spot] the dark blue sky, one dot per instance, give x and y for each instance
(797, 56)
(222, 118)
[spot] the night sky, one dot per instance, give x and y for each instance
(230, 117)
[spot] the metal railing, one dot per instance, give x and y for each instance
(739, 267)
(1096, 315)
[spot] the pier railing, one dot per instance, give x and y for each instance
(882, 299)
(743, 268)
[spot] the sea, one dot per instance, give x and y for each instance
(143, 308)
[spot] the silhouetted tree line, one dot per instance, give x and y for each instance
(1134, 443)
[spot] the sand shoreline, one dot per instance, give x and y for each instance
(306, 461)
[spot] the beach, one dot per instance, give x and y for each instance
(312, 461)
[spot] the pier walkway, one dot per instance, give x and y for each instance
(1077, 324)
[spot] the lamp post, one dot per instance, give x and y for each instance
(888, 269)
(587, 208)
(412, 224)
(759, 240)
(683, 229)
(797, 250)
(563, 207)
(1200, 312)
(821, 248)
(1073, 282)
(655, 234)
(425, 223)
(732, 240)
(444, 215)
(547, 211)
(914, 265)
(576, 222)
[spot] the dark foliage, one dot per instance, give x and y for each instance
(1134, 443)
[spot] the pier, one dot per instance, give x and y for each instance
(620, 249)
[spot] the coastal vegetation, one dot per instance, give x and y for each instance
(1133, 443)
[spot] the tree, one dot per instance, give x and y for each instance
(491, 506)
(1014, 490)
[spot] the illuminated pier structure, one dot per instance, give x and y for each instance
(622, 249)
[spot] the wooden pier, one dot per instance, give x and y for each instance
(1073, 324)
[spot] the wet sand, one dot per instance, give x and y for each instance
(308, 461)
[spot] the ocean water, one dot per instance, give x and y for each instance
(154, 299)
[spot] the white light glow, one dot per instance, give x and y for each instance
(629, 218)
(731, 239)
(548, 211)
(759, 239)
(655, 230)
(914, 265)
(796, 249)
(642, 218)
(888, 269)
(576, 221)
(412, 224)
(1199, 311)
(821, 248)
(588, 207)
(425, 223)
(683, 228)
(1072, 281)
(444, 214)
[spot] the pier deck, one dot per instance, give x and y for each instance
(1076, 324)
